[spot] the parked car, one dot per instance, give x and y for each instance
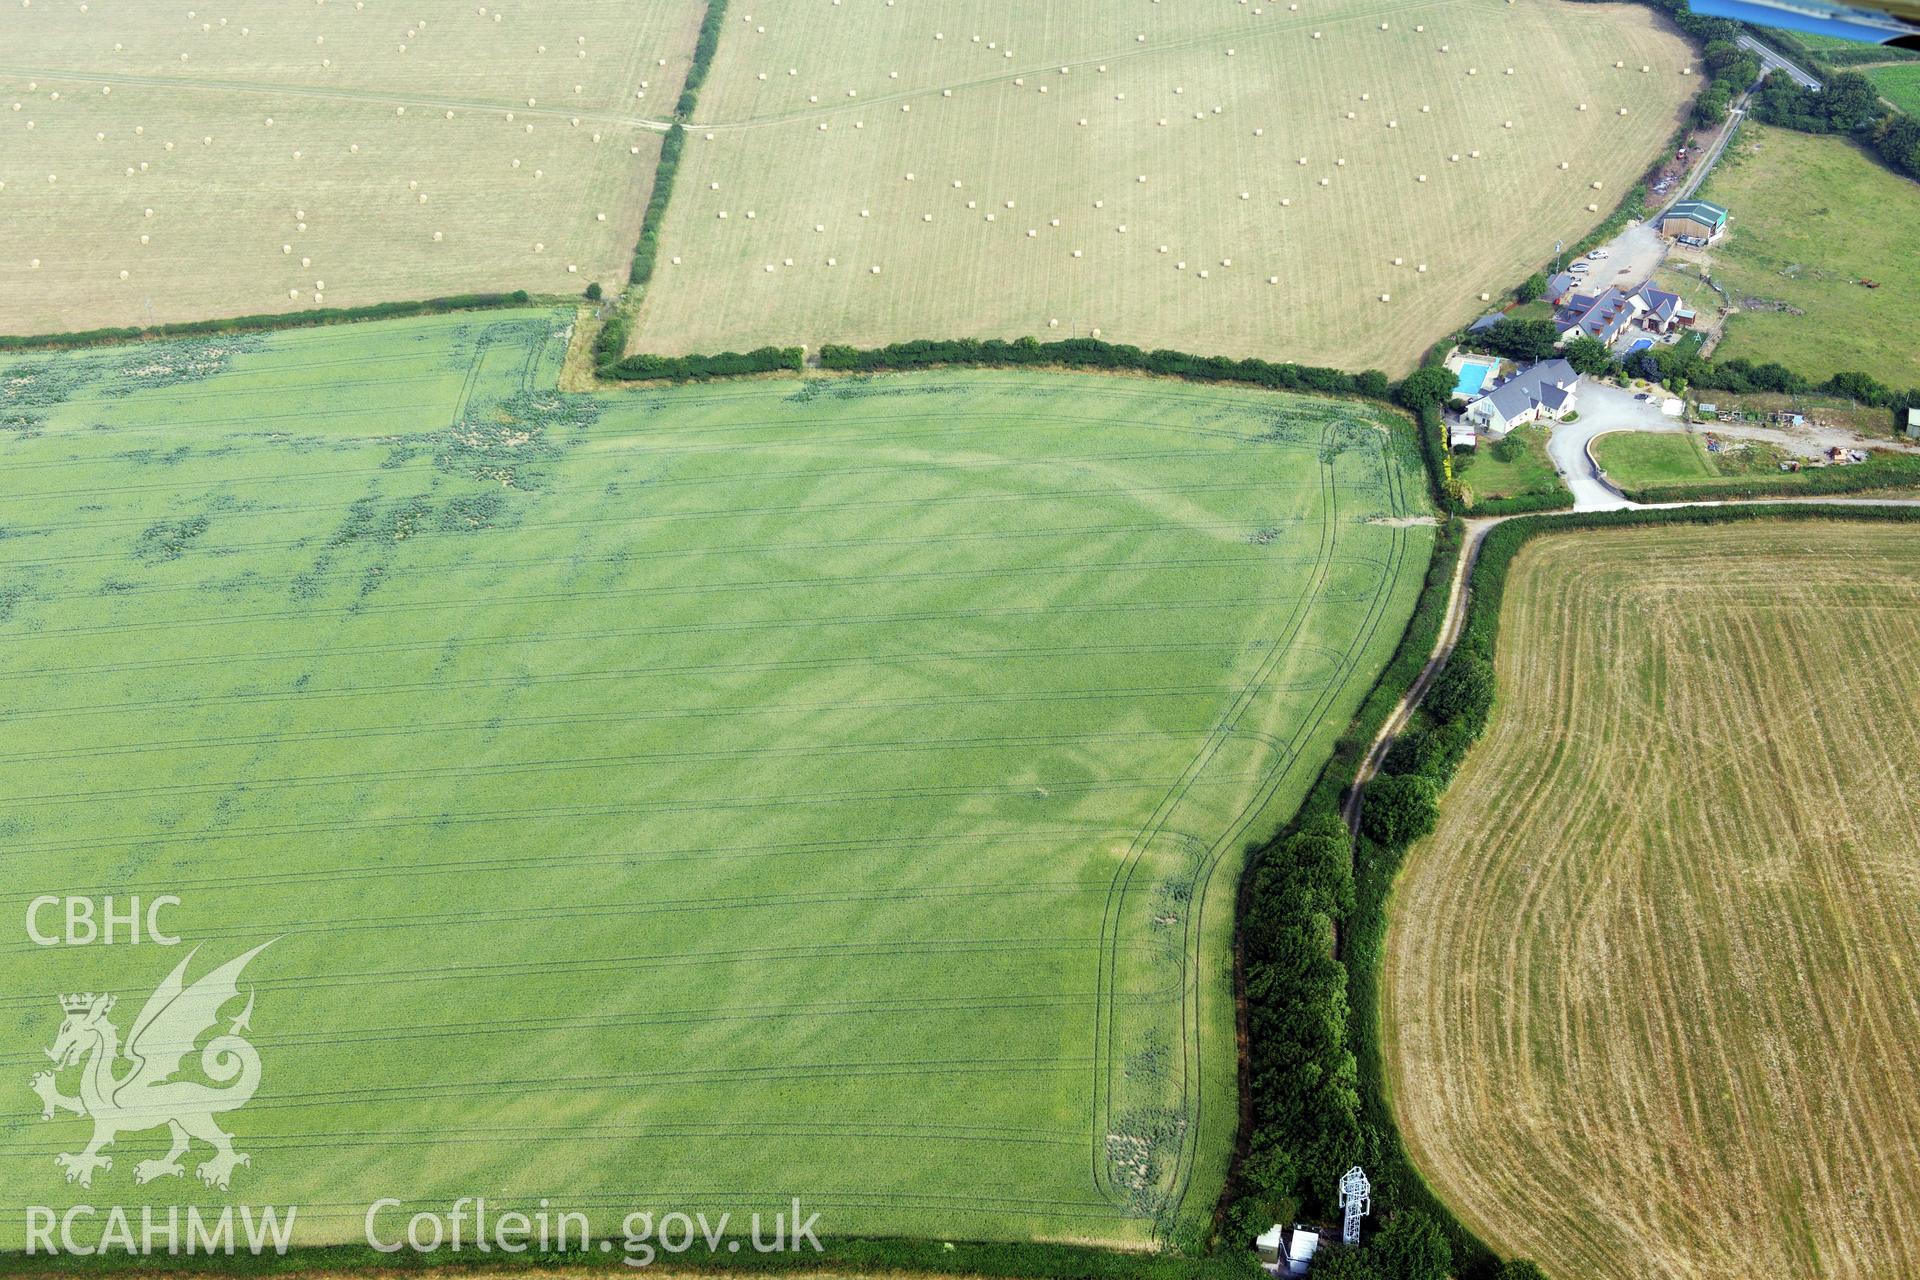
(1599, 254)
(1578, 269)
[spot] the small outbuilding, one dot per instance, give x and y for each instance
(1301, 1247)
(1913, 424)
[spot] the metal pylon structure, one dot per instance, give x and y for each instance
(1356, 1197)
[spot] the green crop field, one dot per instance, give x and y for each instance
(675, 799)
(1648, 991)
(1813, 216)
(1227, 179)
(1899, 83)
(445, 148)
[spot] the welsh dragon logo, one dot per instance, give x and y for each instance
(145, 1095)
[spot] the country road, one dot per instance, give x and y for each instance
(1774, 61)
(1459, 595)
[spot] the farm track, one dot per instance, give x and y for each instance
(1647, 984)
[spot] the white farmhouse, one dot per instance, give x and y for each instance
(1546, 390)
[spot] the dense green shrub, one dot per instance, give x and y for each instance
(1518, 339)
(1462, 691)
(1399, 810)
(700, 368)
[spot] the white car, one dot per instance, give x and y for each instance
(1599, 254)
(1578, 269)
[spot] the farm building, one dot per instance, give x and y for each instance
(1560, 287)
(1546, 390)
(1694, 220)
(1486, 322)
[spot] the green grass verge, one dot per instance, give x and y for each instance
(701, 787)
(1658, 467)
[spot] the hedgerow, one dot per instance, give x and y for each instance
(702, 368)
(285, 320)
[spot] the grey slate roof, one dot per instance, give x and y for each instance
(1485, 322)
(1548, 383)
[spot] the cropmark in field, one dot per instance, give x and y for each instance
(1649, 990)
(163, 164)
(679, 800)
(1330, 181)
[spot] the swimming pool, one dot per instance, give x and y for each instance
(1473, 373)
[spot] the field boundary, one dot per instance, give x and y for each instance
(290, 320)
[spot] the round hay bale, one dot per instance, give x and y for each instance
(438, 236)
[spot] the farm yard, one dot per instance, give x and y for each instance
(1648, 992)
(158, 166)
(1227, 179)
(1813, 217)
(686, 797)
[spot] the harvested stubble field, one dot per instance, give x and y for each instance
(681, 798)
(105, 114)
(1650, 988)
(989, 158)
